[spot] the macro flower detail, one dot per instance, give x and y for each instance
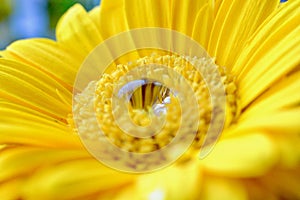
(47, 100)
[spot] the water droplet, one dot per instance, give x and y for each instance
(146, 95)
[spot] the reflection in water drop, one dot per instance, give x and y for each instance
(146, 96)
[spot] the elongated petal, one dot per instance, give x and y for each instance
(285, 121)
(203, 24)
(216, 5)
(59, 182)
(23, 160)
(37, 135)
(275, 64)
(112, 18)
(273, 29)
(46, 56)
(77, 31)
(149, 13)
(14, 111)
(27, 86)
(94, 14)
(184, 13)
(22, 125)
(282, 96)
(111, 13)
(235, 22)
(244, 156)
(272, 53)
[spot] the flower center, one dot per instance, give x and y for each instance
(148, 102)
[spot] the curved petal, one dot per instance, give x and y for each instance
(46, 56)
(273, 29)
(235, 22)
(27, 86)
(74, 180)
(282, 96)
(248, 155)
(25, 126)
(112, 13)
(21, 161)
(273, 51)
(285, 121)
(278, 62)
(77, 31)
(94, 14)
(112, 18)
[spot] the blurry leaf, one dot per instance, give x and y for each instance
(5, 9)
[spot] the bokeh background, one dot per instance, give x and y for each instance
(21, 19)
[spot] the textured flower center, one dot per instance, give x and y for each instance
(149, 101)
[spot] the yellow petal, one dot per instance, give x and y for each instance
(168, 183)
(25, 134)
(286, 121)
(183, 14)
(244, 156)
(13, 111)
(74, 180)
(176, 15)
(22, 125)
(216, 5)
(288, 146)
(279, 61)
(270, 54)
(283, 128)
(46, 56)
(217, 188)
(273, 29)
(94, 14)
(235, 22)
(28, 86)
(112, 18)
(77, 31)
(112, 13)
(20, 161)
(203, 24)
(283, 95)
(141, 14)
(11, 189)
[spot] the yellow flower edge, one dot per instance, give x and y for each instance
(257, 156)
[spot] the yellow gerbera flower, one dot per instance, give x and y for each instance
(256, 49)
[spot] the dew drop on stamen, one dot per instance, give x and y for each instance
(146, 95)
